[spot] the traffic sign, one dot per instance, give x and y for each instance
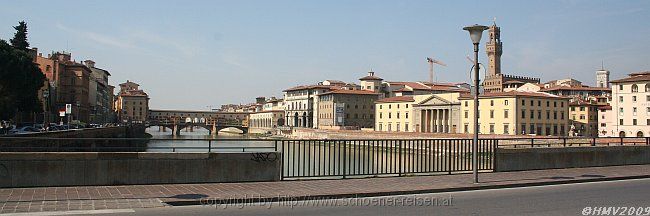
(68, 108)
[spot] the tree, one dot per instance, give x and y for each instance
(20, 81)
(20, 38)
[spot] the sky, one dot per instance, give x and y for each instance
(201, 54)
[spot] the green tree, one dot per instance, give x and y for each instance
(20, 38)
(20, 80)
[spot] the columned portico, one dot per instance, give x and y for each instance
(438, 114)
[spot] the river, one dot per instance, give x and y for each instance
(316, 158)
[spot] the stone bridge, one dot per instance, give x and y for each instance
(213, 121)
(213, 128)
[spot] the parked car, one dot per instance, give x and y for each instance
(24, 129)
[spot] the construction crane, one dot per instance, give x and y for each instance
(431, 62)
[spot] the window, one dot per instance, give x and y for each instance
(379, 127)
(466, 114)
(635, 88)
(406, 115)
(620, 99)
(539, 114)
(397, 126)
(467, 127)
(582, 108)
(406, 126)
(554, 114)
(620, 111)
(465, 103)
(620, 122)
(491, 128)
(634, 111)
(633, 121)
(582, 117)
(532, 114)
(548, 114)
(633, 98)
(491, 102)
(380, 115)
(491, 113)
(523, 113)
(390, 115)
(506, 128)
(398, 115)
(505, 102)
(548, 103)
(620, 87)
(647, 87)
(407, 105)
(505, 113)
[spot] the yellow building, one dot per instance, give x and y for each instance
(517, 112)
(583, 118)
(394, 114)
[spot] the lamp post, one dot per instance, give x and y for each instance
(475, 33)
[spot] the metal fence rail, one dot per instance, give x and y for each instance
(47, 144)
(539, 142)
(344, 158)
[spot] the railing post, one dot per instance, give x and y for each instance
(449, 156)
(399, 157)
(621, 143)
(564, 141)
(593, 143)
(532, 142)
(345, 163)
(209, 146)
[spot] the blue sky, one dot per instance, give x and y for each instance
(190, 55)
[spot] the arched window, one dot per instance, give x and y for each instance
(635, 88)
(639, 134)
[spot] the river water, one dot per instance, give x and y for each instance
(330, 158)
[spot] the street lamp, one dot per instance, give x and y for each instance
(475, 33)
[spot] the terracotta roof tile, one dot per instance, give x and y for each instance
(396, 99)
(634, 77)
(345, 91)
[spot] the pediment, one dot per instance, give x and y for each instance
(434, 100)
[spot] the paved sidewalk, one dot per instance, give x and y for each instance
(13, 200)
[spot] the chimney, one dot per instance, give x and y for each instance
(371, 73)
(89, 63)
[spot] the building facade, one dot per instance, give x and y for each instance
(99, 94)
(630, 107)
(132, 103)
(517, 112)
(583, 118)
(69, 83)
(347, 109)
(395, 114)
(437, 113)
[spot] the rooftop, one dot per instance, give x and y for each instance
(396, 99)
(353, 92)
(634, 77)
(513, 94)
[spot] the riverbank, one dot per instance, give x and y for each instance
(308, 133)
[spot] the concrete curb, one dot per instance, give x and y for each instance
(392, 193)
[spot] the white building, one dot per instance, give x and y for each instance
(629, 115)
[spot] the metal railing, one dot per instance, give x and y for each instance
(46, 144)
(345, 158)
(540, 142)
